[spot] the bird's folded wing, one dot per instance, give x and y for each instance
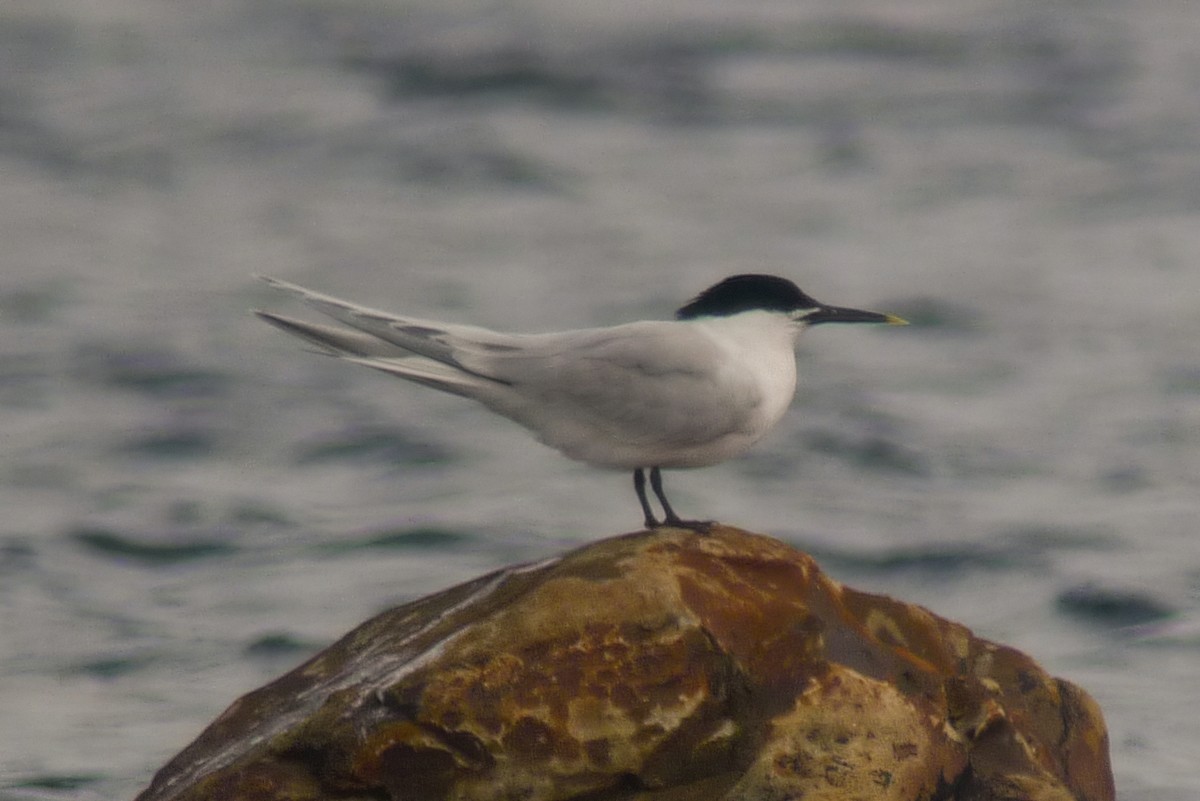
(649, 381)
(333, 340)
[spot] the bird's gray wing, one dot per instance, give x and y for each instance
(647, 382)
(333, 340)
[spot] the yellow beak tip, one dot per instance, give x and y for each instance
(894, 320)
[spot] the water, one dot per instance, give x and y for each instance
(193, 504)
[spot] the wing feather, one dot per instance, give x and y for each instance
(648, 383)
(441, 342)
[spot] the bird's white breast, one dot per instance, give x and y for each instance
(758, 379)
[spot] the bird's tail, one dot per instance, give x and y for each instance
(422, 351)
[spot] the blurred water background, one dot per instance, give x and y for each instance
(192, 504)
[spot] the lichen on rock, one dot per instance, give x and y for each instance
(665, 665)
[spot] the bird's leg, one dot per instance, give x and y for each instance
(639, 486)
(669, 516)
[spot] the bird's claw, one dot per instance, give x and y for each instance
(698, 526)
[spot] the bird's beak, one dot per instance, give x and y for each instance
(839, 314)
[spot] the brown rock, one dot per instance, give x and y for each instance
(664, 666)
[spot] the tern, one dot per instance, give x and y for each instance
(642, 396)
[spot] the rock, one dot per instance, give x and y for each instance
(655, 666)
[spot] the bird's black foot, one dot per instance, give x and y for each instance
(639, 486)
(670, 519)
(698, 526)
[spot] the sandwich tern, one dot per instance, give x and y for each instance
(642, 396)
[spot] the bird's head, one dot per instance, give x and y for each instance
(769, 293)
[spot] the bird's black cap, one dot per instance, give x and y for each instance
(741, 293)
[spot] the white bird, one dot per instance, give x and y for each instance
(648, 395)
